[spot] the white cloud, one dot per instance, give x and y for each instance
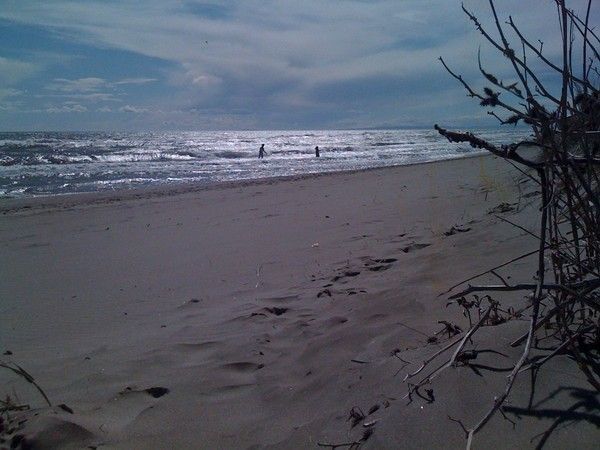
(92, 97)
(67, 108)
(12, 70)
(278, 39)
(95, 97)
(91, 89)
(205, 80)
(90, 84)
(280, 55)
(135, 81)
(132, 109)
(9, 92)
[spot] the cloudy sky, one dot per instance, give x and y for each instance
(247, 64)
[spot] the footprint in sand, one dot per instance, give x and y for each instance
(348, 273)
(398, 238)
(191, 304)
(456, 229)
(358, 238)
(335, 320)
(243, 367)
(156, 392)
(355, 291)
(282, 299)
(324, 292)
(380, 268)
(373, 265)
(379, 265)
(386, 260)
(413, 247)
(277, 311)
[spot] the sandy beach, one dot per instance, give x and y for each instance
(268, 310)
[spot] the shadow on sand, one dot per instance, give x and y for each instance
(581, 405)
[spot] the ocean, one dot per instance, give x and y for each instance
(52, 163)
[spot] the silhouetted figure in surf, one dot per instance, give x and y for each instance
(317, 152)
(262, 152)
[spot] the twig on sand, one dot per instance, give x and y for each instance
(485, 272)
(431, 358)
(258, 274)
(564, 163)
(429, 378)
(27, 377)
(353, 444)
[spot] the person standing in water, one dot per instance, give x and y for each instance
(262, 152)
(317, 153)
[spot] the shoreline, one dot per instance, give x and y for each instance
(14, 204)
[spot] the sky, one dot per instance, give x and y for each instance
(250, 64)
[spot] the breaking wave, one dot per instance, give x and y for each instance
(57, 163)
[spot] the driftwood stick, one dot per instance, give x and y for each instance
(500, 277)
(503, 219)
(480, 274)
(498, 287)
(540, 324)
(467, 336)
(431, 358)
(499, 401)
(588, 284)
(474, 141)
(556, 351)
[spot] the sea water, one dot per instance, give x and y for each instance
(49, 163)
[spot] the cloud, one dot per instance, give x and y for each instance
(205, 81)
(8, 101)
(133, 109)
(135, 81)
(9, 92)
(67, 108)
(92, 97)
(271, 62)
(90, 84)
(95, 97)
(91, 89)
(12, 70)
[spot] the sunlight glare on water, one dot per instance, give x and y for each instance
(59, 163)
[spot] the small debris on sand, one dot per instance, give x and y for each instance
(455, 229)
(157, 392)
(502, 208)
(277, 311)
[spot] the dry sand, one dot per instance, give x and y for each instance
(268, 310)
